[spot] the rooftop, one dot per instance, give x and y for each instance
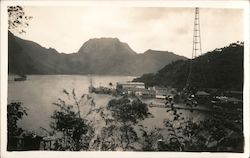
(131, 83)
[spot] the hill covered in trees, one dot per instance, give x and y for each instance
(221, 68)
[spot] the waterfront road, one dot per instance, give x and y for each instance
(196, 108)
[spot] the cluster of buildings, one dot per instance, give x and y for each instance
(226, 100)
(139, 89)
(135, 89)
(231, 100)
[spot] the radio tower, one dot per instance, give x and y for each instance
(197, 35)
(196, 45)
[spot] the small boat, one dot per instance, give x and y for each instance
(21, 78)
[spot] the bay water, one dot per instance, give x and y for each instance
(38, 92)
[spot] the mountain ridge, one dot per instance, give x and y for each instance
(95, 56)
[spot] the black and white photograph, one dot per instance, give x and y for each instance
(112, 77)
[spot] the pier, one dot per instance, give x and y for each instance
(198, 108)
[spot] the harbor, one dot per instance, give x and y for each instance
(125, 79)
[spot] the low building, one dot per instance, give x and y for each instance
(161, 92)
(218, 50)
(202, 97)
(234, 94)
(145, 93)
(228, 103)
(131, 85)
(235, 102)
(202, 94)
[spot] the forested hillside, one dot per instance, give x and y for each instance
(221, 68)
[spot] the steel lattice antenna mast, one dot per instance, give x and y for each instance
(197, 35)
(196, 44)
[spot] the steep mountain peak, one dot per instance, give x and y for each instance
(106, 39)
(103, 41)
(106, 45)
(96, 56)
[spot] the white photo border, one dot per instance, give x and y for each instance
(244, 4)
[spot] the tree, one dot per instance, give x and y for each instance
(119, 132)
(76, 129)
(18, 20)
(150, 139)
(211, 134)
(15, 112)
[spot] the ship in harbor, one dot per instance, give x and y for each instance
(20, 78)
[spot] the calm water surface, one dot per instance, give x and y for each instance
(38, 93)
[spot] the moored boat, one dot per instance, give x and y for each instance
(20, 78)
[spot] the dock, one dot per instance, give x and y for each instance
(198, 108)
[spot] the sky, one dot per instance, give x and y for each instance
(168, 29)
